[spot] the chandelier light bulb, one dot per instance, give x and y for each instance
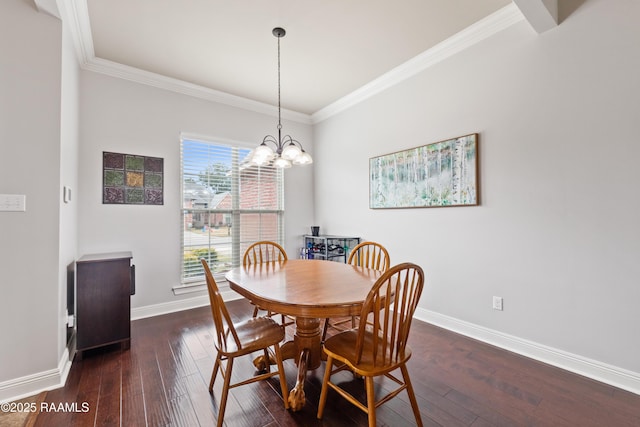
(303, 159)
(282, 163)
(263, 150)
(291, 151)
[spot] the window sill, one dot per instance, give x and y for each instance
(200, 286)
(190, 288)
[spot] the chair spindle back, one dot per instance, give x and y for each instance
(264, 251)
(370, 255)
(391, 303)
(221, 318)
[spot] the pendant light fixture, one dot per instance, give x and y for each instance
(286, 151)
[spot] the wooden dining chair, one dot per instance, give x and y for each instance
(365, 254)
(240, 339)
(265, 251)
(370, 255)
(378, 349)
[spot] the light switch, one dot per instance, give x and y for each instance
(13, 202)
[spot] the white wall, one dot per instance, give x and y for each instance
(556, 234)
(30, 128)
(126, 117)
(68, 176)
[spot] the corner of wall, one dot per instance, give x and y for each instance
(30, 385)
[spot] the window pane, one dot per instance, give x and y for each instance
(208, 240)
(206, 175)
(258, 190)
(258, 226)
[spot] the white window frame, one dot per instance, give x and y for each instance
(235, 212)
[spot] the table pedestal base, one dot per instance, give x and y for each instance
(306, 350)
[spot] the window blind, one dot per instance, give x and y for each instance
(226, 206)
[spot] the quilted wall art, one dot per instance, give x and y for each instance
(129, 179)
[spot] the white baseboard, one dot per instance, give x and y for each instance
(29, 385)
(612, 375)
(168, 307)
(180, 305)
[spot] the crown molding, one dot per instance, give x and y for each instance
(48, 6)
(137, 75)
(76, 13)
(541, 14)
(492, 24)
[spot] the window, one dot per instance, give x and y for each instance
(227, 205)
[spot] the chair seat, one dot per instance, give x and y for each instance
(342, 347)
(254, 334)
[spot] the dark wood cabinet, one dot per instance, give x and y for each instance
(104, 285)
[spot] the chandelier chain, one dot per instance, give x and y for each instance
(279, 120)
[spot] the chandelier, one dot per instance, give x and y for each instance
(286, 150)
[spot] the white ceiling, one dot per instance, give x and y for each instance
(331, 49)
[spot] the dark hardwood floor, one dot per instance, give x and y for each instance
(162, 381)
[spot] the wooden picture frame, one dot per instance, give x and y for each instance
(439, 174)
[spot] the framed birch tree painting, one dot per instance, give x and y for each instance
(443, 173)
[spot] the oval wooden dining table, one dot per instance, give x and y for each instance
(309, 290)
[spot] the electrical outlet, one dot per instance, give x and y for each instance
(497, 303)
